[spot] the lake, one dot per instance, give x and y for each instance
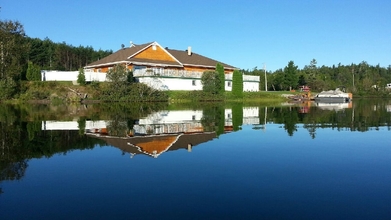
(213, 161)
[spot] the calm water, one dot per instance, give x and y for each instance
(229, 162)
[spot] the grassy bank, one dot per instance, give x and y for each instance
(67, 92)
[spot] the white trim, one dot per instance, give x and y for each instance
(152, 64)
(105, 64)
(186, 64)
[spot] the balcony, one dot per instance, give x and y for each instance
(166, 73)
(147, 72)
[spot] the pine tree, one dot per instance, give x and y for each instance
(237, 84)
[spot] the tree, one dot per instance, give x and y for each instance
(220, 71)
(118, 84)
(290, 75)
(210, 82)
(237, 84)
(33, 72)
(13, 49)
(81, 77)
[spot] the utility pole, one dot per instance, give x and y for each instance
(264, 68)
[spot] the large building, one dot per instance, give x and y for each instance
(168, 69)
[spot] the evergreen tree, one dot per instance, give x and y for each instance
(210, 82)
(33, 72)
(237, 84)
(81, 77)
(221, 76)
(290, 75)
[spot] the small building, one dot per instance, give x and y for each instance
(168, 69)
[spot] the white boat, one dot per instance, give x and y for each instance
(334, 96)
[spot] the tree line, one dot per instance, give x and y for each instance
(361, 78)
(18, 53)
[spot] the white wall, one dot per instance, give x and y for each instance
(251, 86)
(172, 83)
(160, 83)
(71, 125)
(53, 75)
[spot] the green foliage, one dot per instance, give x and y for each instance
(81, 124)
(7, 88)
(237, 84)
(237, 116)
(291, 76)
(81, 77)
(117, 86)
(221, 74)
(213, 118)
(211, 82)
(33, 72)
(62, 56)
(121, 88)
(13, 49)
(130, 78)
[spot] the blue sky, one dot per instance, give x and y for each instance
(242, 33)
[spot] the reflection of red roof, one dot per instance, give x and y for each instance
(157, 144)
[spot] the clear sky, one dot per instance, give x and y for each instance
(242, 33)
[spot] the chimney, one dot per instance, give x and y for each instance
(131, 44)
(189, 51)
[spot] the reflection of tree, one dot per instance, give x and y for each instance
(290, 120)
(118, 127)
(311, 129)
(122, 116)
(13, 171)
(213, 118)
(288, 116)
(81, 122)
(21, 141)
(363, 116)
(237, 116)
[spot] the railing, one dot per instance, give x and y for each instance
(166, 72)
(183, 73)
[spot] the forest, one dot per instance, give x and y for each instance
(361, 78)
(18, 52)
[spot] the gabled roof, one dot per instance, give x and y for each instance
(180, 58)
(121, 56)
(195, 59)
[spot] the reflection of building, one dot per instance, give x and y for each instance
(161, 122)
(165, 122)
(155, 145)
(187, 121)
(71, 125)
(159, 132)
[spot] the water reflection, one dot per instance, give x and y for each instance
(43, 131)
(279, 159)
(333, 106)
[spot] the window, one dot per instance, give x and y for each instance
(193, 82)
(229, 84)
